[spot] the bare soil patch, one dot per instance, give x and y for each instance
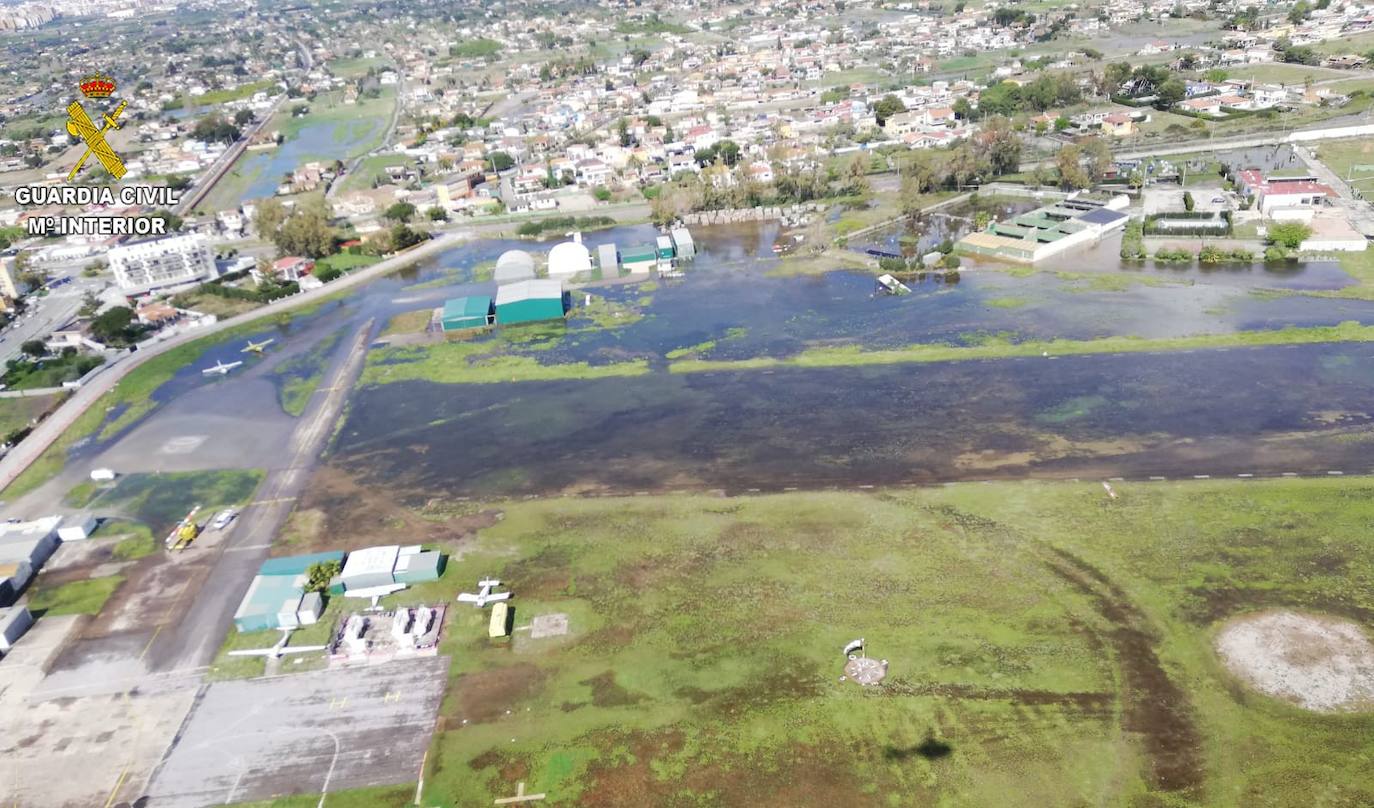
(1318, 663)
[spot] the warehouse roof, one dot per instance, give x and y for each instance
(1102, 216)
(528, 290)
(371, 561)
(463, 307)
(639, 252)
(267, 593)
(296, 565)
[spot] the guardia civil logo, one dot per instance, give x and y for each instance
(97, 88)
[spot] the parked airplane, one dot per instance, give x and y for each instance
(221, 368)
(484, 594)
(257, 347)
(280, 649)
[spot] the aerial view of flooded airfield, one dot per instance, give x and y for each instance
(841, 403)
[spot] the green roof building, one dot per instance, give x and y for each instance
(462, 313)
(639, 258)
(530, 302)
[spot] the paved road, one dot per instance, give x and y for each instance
(197, 636)
(14, 463)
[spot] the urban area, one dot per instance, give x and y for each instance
(603, 403)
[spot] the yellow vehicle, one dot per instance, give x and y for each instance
(185, 531)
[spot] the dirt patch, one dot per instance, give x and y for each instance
(607, 692)
(338, 512)
(487, 695)
(1318, 663)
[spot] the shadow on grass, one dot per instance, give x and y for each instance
(930, 749)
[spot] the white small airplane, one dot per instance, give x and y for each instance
(222, 368)
(281, 649)
(257, 347)
(484, 594)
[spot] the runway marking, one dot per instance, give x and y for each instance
(1245, 475)
(1158, 479)
(247, 547)
(1336, 473)
(390, 697)
(271, 501)
(156, 631)
(338, 704)
(1202, 476)
(118, 785)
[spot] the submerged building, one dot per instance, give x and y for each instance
(531, 301)
(1047, 231)
(514, 265)
(464, 313)
(569, 258)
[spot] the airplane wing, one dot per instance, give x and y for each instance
(468, 597)
(495, 596)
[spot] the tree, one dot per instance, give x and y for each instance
(403, 237)
(437, 214)
(90, 304)
(1169, 93)
(728, 151)
(1289, 235)
(243, 117)
(500, 161)
(319, 574)
(1188, 203)
(1099, 157)
(307, 231)
(400, 212)
(1115, 75)
(269, 217)
(1000, 146)
(1071, 173)
(214, 129)
(113, 326)
(34, 348)
(886, 107)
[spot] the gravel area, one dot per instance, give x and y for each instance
(1315, 662)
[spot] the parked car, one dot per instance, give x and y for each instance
(223, 518)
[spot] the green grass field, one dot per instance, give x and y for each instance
(297, 378)
(1046, 646)
(77, 597)
(1351, 160)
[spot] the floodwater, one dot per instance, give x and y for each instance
(1256, 410)
(324, 142)
(1302, 409)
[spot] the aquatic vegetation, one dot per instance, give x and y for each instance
(1002, 348)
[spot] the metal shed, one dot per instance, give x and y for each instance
(13, 576)
(461, 313)
(609, 259)
(14, 621)
(369, 567)
(530, 301)
(665, 248)
(682, 241)
(514, 265)
(297, 565)
(639, 258)
(413, 568)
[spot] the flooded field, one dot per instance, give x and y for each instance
(1261, 410)
(1252, 410)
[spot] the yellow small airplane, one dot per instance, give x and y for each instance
(257, 347)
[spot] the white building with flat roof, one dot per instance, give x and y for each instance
(162, 262)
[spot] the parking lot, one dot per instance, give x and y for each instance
(309, 732)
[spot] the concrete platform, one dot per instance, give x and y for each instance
(303, 733)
